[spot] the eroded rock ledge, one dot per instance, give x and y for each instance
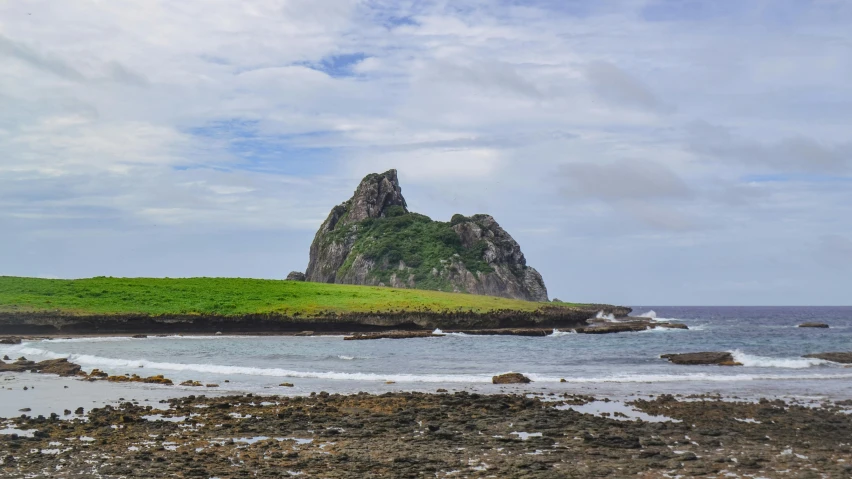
(545, 317)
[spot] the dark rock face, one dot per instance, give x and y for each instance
(718, 358)
(296, 276)
(813, 325)
(845, 358)
(483, 258)
(511, 378)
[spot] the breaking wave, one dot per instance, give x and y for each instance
(749, 360)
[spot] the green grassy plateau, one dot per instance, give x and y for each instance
(230, 297)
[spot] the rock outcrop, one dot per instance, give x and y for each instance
(296, 276)
(510, 378)
(718, 358)
(372, 239)
(843, 357)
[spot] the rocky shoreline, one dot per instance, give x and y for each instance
(442, 435)
(57, 323)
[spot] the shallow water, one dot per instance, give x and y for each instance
(765, 340)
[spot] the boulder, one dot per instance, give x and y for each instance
(510, 378)
(10, 340)
(813, 325)
(843, 357)
(296, 276)
(718, 358)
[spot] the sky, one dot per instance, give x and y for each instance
(681, 152)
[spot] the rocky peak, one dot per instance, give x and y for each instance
(373, 197)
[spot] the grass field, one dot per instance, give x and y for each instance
(229, 297)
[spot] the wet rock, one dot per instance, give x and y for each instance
(62, 367)
(158, 379)
(286, 385)
(718, 358)
(506, 332)
(393, 335)
(841, 357)
(304, 333)
(510, 378)
(139, 336)
(10, 341)
(212, 385)
(192, 383)
(813, 325)
(671, 326)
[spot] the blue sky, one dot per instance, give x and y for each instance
(641, 151)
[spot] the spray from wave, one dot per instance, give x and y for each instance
(606, 317)
(558, 334)
(749, 360)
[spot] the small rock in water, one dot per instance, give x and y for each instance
(844, 358)
(211, 385)
(390, 382)
(441, 390)
(26, 388)
(79, 410)
(26, 409)
(510, 378)
(813, 325)
(286, 385)
(67, 412)
(722, 358)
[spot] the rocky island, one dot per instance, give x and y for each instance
(372, 239)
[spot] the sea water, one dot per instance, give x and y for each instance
(766, 340)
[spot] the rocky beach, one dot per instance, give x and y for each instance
(517, 434)
(690, 394)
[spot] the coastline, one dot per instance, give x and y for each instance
(59, 323)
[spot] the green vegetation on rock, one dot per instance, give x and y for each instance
(419, 243)
(230, 297)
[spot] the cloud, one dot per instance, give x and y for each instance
(619, 88)
(39, 60)
(623, 179)
(794, 153)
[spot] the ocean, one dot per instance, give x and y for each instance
(765, 339)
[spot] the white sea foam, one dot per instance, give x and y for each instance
(346, 358)
(558, 334)
(608, 317)
(749, 360)
(650, 314)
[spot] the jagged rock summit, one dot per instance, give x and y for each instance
(372, 239)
